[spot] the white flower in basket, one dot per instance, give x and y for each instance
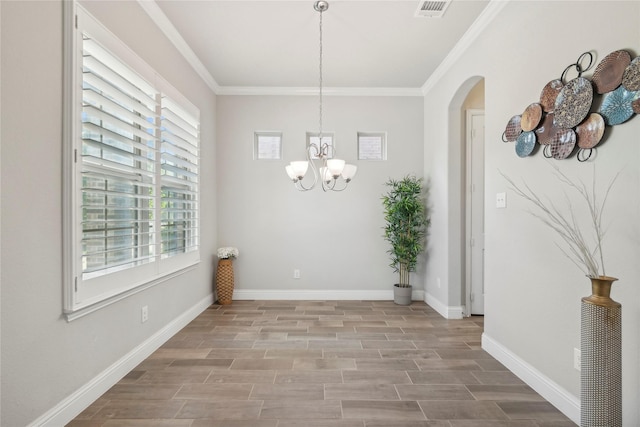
(228, 252)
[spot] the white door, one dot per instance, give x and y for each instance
(475, 212)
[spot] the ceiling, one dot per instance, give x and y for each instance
(239, 44)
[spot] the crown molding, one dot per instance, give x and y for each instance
(486, 17)
(313, 91)
(164, 24)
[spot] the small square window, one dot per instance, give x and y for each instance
(327, 139)
(372, 146)
(268, 146)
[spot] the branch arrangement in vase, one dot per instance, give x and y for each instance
(583, 247)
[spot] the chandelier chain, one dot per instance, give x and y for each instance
(320, 80)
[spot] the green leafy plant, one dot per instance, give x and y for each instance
(406, 224)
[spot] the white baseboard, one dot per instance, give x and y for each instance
(319, 295)
(446, 311)
(69, 408)
(566, 403)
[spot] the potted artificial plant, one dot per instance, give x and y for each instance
(406, 229)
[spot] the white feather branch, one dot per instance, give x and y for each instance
(585, 252)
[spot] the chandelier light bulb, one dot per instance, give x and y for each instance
(290, 172)
(349, 172)
(335, 166)
(299, 168)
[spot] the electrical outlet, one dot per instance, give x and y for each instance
(577, 359)
(501, 200)
(144, 315)
(296, 274)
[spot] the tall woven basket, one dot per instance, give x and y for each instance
(601, 348)
(224, 281)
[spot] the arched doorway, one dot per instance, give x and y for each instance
(466, 196)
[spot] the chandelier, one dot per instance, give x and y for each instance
(334, 174)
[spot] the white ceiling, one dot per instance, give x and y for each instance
(275, 44)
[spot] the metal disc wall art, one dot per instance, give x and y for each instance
(588, 134)
(631, 76)
(590, 131)
(563, 143)
(549, 94)
(513, 129)
(608, 73)
(616, 106)
(573, 103)
(531, 117)
(564, 119)
(546, 130)
(525, 144)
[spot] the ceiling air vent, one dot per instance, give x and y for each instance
(432, 9)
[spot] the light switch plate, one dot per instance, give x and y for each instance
(501, 200)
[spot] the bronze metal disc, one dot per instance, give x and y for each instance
(549, 94)
(531, 117)
(546, 130)
(513, 129)
(590, 131)
(609, 72)
(564, 141)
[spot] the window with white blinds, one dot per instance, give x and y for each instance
(179, 180)
(136, 173)
(118, 164)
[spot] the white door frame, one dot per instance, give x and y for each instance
(468, 208)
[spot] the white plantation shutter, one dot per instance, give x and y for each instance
(118, 164)
(179, 179)
(132, 191)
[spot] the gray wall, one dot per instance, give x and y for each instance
(335, 239)
(44, 358)
(532, 290)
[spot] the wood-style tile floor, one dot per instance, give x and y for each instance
(322, 364)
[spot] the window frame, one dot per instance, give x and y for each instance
(383, 145)
(257, 135)
(82, 296)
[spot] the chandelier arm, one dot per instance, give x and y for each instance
(314, 169)
(323, 182)
(332, 185)
(299, 185)
(328, 186)
(327, 151)
(342, 188)
(313, 150)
